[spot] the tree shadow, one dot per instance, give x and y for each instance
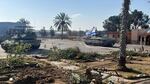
(140, 63)
(41, 52)
(130, 70)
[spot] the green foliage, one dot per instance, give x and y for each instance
(71, 53)
(15, 61)
(16, 47)
(43, 32)
(77, 78)
(62, 22)
(136, 18)
(112, 23)
(52, 32)
(130, 53)
(3, 63)
(54, 54)
(24, 21)
(21, 48)
(18, 50)
(87, 57)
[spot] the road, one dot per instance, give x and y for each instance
(63, 44)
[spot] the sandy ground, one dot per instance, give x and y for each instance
(2, 53)
(49, 43)
(63, 44)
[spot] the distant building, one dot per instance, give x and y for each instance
(5, 26)
(116, 36)
(135, 36)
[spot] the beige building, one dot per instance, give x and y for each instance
(135, 36)
(140, 36)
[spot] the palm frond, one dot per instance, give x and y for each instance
(62, 20)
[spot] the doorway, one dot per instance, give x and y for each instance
(148, 40)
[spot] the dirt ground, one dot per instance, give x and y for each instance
(48, 74)
(140, 65)
(39, 75)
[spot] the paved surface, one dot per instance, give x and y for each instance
(63, 44)
(47, 44)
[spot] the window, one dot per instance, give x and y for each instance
(113, 36)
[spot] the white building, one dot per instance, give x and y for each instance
(5, 26)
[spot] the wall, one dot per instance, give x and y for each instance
(116, 36)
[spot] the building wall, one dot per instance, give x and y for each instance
(135, 36)
(116, 36)
(5, 26)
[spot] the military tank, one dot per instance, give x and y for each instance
(100, 41)
(26, 37)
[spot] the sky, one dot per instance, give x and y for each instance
(84, 14)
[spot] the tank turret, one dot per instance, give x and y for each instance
(26, 37)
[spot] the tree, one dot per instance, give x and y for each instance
(139, 19)
(23, 23)
(62, 22)
(43, 32)
(124, 26)
(52, 32)
(112, 23)
(136, 19)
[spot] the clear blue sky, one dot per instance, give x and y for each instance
(84, 13)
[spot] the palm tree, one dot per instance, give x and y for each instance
(62, 22)
(24, 24)
(124, 26)
(24, 21)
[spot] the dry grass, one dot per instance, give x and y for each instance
(140, 66)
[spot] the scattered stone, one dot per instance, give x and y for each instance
(71, 67)
(93, 81)
(102, 60)
(11, 79)
(129, 58)
(93, 72)
(141, 75)
(64, 65)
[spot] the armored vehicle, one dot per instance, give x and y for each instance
(100, 41)
(24, 37)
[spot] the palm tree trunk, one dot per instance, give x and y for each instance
(124, 25)
(62, 34)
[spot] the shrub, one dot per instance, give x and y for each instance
(54, 54)
(129, 53)
(77, 78)
(15, 61)
(3, 63)
(70, 53)
(87, 57)
(15, 47)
